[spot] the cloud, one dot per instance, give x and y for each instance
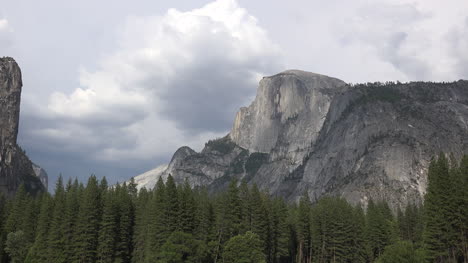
(412, 36)
(6, 32)
(173, 80)
(458, 38)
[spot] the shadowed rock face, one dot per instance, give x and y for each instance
(15, 167)
(309, 132)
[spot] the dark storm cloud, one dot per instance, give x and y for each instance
(207, 96)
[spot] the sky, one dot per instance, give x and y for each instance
(114, 88)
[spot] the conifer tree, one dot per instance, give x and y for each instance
(141, 226)
(304, 235)
(436, 233)
(205, 217)
(279, 231)
(378, 228)
(246, 210)
(157, 229)
(3, 216)
(186, 209)
(233, 212)
(125, 227)
(259, 217)
(462, 212)
(17, 209)
(86, 239)
(56, 237)
(107, 238)
(171, 204)
(39, 250)
(70, 217)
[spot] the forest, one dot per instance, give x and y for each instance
(95, 222)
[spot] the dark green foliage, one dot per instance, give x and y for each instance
(171, 223)
(141, 226)
(304, 230)
(402, 252)
(15, 246)
(86, 240)
(57, 238)
(279, 231)
(171, 205)
(410, 223)
(335, 232)
(254, 162)
(186, 209)
(379, 227)
(232, 210)
(72, 205)
(445, 234)
(39, 250)
(125, 219)
(108, 232)
(181, 247)
(245, 248)
(222, 145)
(155, 232)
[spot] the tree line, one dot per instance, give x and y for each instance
(176, 223)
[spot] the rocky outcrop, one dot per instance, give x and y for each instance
(309, 132)
(15, 166)
(41, 174)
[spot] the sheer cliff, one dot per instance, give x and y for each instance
(309, 132)
(15, 166)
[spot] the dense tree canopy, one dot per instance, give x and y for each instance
(175, 223)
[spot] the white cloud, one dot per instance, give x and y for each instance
(174, 80)
(6, 32)
(419, 39)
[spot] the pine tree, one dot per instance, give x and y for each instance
(72, 207)
(205, 217)
(107, 238)
(39, 250)
(86, 239)
(171, 204)
(437, 203)
(16, 210)
(141, 226)
(56, 237)
(233, 212)
(304, 235)
(125, 228)
(157, 228)
(379, 228)
(358, 242)
(279, 231)
(186, 209)
(246, 210)
(3, 217)
(462, 212)
(260, 218)
(28, 221)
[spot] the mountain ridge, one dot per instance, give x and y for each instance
(310, 132)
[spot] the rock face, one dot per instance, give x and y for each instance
(309, 132)
(15, 166)
(41, 174)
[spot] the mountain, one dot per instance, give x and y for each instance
(310, 132)
(15, 166)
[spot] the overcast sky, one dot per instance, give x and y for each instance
(115, 87)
